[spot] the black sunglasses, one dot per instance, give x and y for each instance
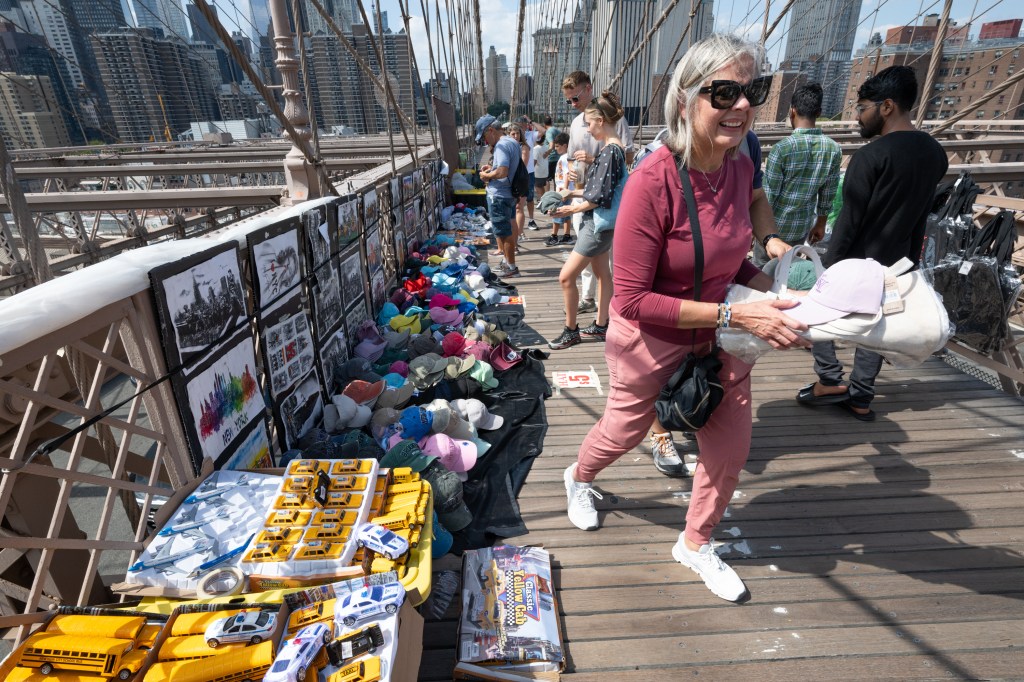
(572, 100)
(724, 94)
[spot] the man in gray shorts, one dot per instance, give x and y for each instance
(501, 205)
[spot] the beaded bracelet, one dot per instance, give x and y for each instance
(724, 315)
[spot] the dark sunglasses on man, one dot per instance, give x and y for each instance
(725, 94)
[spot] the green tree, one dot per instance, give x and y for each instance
(498, 109)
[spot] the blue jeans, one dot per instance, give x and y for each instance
(502, 211)
(529, 193)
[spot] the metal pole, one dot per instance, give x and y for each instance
(933, 65)
(301, 185)
(35, 254)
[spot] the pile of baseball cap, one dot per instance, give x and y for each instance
(406, 397)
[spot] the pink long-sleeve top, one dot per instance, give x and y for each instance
(654, 257)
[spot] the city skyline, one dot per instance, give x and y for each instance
(876, 16)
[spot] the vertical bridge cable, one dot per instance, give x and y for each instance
(636, 51)
(519, 51)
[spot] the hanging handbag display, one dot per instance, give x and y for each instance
(604, 218)
(979, 285)
(689, 398)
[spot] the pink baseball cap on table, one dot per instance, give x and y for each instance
(850, 286)
(455, 455)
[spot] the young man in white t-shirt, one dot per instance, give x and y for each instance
(529, 141)
(540, 171)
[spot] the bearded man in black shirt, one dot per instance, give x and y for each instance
(887, 193)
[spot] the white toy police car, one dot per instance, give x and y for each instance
(298, 653)
(249, 626)
(369, 602)
(381, 540)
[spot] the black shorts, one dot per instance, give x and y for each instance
(540, 182)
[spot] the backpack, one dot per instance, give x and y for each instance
(520, 181)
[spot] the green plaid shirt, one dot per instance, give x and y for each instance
(800, 179)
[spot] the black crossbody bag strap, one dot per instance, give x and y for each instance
(698, 243)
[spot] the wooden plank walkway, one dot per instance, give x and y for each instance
(872, 551)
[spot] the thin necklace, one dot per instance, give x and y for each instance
(714, 190)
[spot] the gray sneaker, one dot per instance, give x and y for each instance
(666, 457)
(716, 574)
(581, 496)
(587, 305)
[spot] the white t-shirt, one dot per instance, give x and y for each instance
(530, 138)
(539, 160)
(579, 138)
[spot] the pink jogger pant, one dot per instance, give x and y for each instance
(638, 366)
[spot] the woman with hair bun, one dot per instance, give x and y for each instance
(593, 243)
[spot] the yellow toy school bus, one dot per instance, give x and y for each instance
(101, 656)
(248, 663)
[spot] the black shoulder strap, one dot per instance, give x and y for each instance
(698, 243)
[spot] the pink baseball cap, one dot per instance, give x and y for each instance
(479, 350)
(445, 316)
(853, 285)
(455, 455)
(443, 301)
(504, 357)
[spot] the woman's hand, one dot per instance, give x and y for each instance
(766, 321)
(561, 212)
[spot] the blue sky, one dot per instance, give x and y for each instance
(499, 20)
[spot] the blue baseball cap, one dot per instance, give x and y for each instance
(483, 123)
(416, 422)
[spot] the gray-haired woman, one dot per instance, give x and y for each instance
(654, 320)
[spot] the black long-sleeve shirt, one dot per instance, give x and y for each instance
(887, 193)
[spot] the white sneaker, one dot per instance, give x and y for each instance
(716, 574)
(581, 496)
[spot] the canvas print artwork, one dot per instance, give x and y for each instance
(225, 397)
(396, 191)
(348, 220)
(352, 289)
(289, 351)
(276, 265)
(327, 300)
(333, 354)
(315, 222)
(408, 188)
(374, 254)
(253, 452)
(301, 409)
(370, 207)
(354, 318)
(378, 290)
(204, 303)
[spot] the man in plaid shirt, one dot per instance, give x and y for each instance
(801, 175)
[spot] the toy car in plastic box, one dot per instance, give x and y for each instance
(249, 626)
(381, 540)
(298, 654)
(344, 649)
(369, 602)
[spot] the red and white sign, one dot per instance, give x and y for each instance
(576, 379)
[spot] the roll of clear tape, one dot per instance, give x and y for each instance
(221, 582)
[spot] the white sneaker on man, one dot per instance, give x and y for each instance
(716, 574)
(581, 496)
